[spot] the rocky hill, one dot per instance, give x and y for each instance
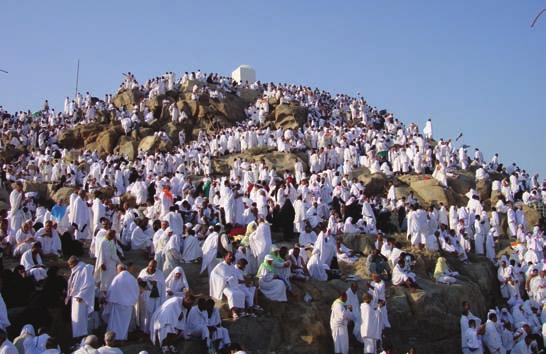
(427, 318)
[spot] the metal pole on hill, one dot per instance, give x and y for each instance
(77, 78)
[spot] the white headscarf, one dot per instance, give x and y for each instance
(174, 284)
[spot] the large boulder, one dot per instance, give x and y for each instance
(107, 140)
(187, 86)
(61, 195)
(289, 116)
(483, 187)
(280, 160)
(532, 217)
(48, 193)
(249, 95)
(72, 155)
(11, 154)
(152, 144)
(172, 131)
(376, 184)
(461, 182)
(128, 148)
(127, 98)
(431, 192)
(231, 108)
(41, 189)
(359, 242)
(495, 195)
(81, 135)
(69, 138)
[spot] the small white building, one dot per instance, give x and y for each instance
(244, 73)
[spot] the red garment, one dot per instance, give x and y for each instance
(238, 230)
(168, 194)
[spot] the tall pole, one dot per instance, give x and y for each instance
(77, 78)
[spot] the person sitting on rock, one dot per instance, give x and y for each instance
(298, 265)
(224, 281)
(378, 264)
(270, 285)
(442, 273)
(401, 277)
(344, 253)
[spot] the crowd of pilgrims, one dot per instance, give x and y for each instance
(226, 223)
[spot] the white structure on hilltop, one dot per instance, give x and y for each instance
(244, 73)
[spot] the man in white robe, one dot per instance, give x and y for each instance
(370, 325)
(218, 334)
(326, 245)
(197, 323)
(98, 210)
(317, 269)
(339, 318)
(224, 280)
(99, 236)
(427, 130)
(166, 200)
(107, 261)
(81, 293)
(80, 217)
(152, 296)
(109, 342)
(176, 223)
(492, 337)
(167, 322)
(32, 261)
(417, 226)
(191, 250)
(140, 240)
(246, 285)
(121, 297)
(352, 300)
(260, 241)
(89, 345)
(171, 251)
(368, 215)
(299, 216)
(49, 238)
(16, 199)
(228, 202)
(209, 250)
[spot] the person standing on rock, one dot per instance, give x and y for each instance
(16, 200)
(107, 260)
(371, 324)
(152, 296)
(81, 293)
(471, 338)
(427, 130)
(339, 318)
(81, 217)
(492, 337)
(352, 300)
(121, 298)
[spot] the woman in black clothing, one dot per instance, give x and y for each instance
(16, 287)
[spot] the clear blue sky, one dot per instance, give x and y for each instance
(473, 66)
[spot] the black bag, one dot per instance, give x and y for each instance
(154, 293)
